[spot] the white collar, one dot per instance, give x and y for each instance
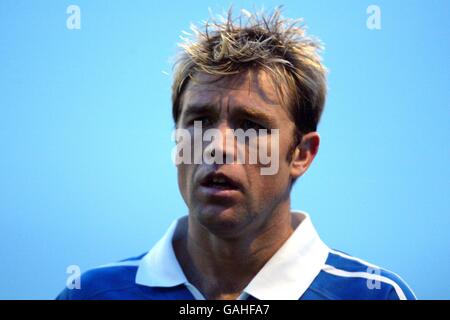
(286, 276)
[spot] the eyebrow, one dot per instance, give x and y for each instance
(199, 109)
(256, 114)
(242, 110)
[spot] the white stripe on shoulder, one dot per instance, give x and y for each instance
(365, 275)
(130, 263)
(346, 256)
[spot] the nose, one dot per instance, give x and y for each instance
(222, 148)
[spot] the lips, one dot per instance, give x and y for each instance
(220, 182)
(216, 191)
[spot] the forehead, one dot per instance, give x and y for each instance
(252, 88)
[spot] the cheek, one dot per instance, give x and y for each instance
(266, 187)
(183, 180)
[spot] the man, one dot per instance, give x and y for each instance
(264, 80)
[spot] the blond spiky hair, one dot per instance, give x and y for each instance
(257, 41)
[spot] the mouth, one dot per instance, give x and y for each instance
(219, 184)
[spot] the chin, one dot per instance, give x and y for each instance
(224, 222)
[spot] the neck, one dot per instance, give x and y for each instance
(222, 268)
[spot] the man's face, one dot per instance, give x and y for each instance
(229, 199)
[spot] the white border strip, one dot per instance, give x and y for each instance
(365, 275)
(346, 256)
(131, 263)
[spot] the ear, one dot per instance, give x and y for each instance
(304, 154)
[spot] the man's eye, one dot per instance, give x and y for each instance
(249, 124)
(205, 121)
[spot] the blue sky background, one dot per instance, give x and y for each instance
(86, 176)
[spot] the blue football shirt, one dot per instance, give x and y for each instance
(303, 268)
